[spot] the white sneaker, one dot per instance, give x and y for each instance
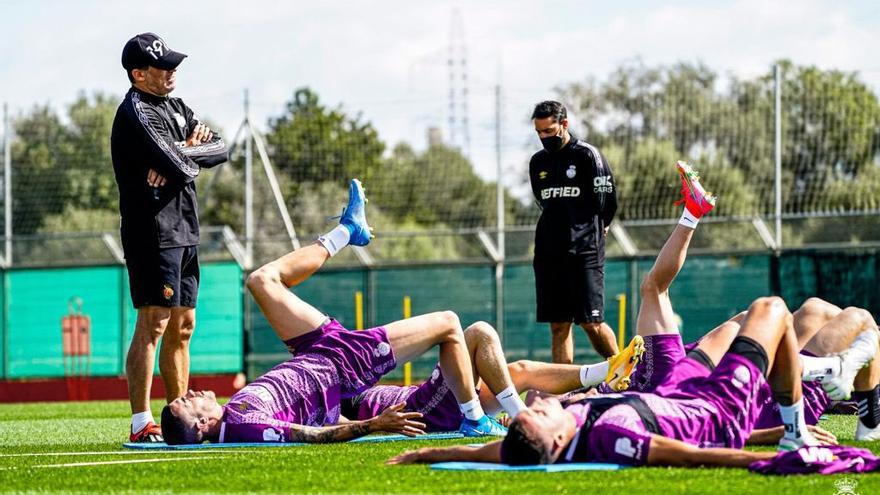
(857, 356)
(865, 434)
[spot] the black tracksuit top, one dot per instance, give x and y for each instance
(150, 132)
(576, 192)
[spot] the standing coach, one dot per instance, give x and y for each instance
(573, 185)
(158, 147)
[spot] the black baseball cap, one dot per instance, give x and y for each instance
(149, 49)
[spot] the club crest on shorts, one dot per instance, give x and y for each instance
(167, 291)
(382, 349)
(270, 435)
(571, 172)
(741, 376)
(542, 174)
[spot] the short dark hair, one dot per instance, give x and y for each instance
(173, 430)
(521, 447)
(550, 108)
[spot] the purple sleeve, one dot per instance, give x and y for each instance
(615, 444)
(256, 428)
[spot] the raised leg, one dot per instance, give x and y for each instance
(288, 315)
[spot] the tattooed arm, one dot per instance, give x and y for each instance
(392, 420)
(327, 434)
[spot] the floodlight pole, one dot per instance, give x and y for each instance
(7, 186)
(777, 73)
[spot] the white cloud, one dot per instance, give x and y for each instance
(387, 58)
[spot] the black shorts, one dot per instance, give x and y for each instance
(569, 288)
(163, 277)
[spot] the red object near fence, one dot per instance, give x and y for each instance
(76, 337)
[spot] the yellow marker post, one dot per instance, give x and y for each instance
(407, 368)
(359, 310)
(621, 326)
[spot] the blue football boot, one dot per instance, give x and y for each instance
(354, 217)
(483, 427)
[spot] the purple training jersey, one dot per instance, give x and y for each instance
(433, 398)
(831, 459)
(329, 364)
(717, 410)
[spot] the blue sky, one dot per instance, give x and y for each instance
(386, 59)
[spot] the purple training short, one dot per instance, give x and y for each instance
(433, 398)
(361, 357)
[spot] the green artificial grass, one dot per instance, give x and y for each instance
(93, 432)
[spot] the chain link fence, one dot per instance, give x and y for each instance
(437, 201)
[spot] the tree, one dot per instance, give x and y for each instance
(312, 143)
(39, 184)
(830, 126)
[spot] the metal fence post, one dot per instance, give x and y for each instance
(777, 73)
(7, 185)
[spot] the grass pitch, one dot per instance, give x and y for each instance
(76, 448)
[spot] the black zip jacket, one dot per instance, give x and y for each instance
(150, 132)
(576, 192)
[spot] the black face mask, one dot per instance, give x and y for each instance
(552, 143)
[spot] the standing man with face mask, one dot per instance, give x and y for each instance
(158, 147)
(574, 187)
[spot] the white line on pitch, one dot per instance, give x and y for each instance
(127, 452)
(104, 463)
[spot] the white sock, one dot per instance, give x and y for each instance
(335, 240)
(140, 420)
(793, 420)
(594, 374)
(510, 401)
(688, 220)
(819, 369)
(472, 409)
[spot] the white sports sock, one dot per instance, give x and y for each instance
(140, 420)
(793, 421)
(510, 401)
(594, 374)
(335, 240)
(688, 219)
(819, 369)
(472, 409)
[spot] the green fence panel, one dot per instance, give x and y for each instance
(4, 335)
(711, 289)
(332, 292)
(467, 290)
(218, 341)
(524, 338)
(37, 301)
(842, 278)
(217, 345)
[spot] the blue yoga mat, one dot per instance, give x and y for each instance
(366, 439)
(547, 468)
